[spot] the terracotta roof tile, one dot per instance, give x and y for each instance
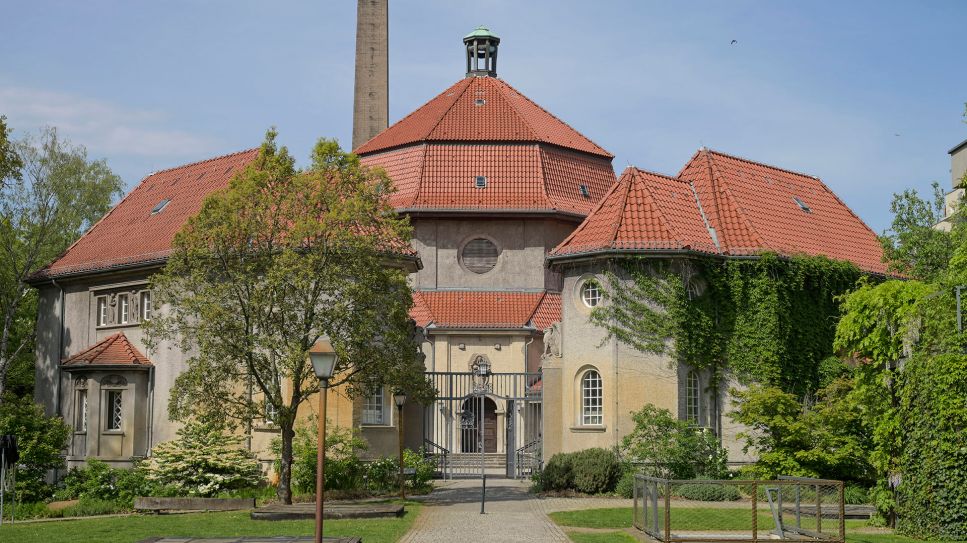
(485, 309)
(130, 233)
(114, 350)
(751, 208)
(519, 177)
(481, 109)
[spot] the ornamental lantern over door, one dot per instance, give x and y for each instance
(481, 52)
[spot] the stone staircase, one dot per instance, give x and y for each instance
(469, 463)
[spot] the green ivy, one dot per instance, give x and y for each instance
(769, 319)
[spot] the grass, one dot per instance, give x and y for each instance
(228, 524)
(616, 518)
(604, 537)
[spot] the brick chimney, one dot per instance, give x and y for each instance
(371, 95)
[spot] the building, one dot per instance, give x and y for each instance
(516, 218)
(958, 171)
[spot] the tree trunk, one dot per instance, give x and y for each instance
(284, 492)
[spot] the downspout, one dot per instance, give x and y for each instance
(147, 451)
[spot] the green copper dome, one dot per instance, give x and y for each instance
(481, 32)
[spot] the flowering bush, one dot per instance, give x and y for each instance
(204, 461)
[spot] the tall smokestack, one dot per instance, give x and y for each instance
(371, 97)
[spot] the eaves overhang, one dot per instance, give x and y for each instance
(449, 212)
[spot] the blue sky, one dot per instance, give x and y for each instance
(868, 96)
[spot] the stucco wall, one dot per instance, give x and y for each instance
(523, 244)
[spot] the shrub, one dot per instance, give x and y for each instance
(382, 475)
(344, 471)
(596, 470)
(40, 440)
(203, 461)
(856, 495)
(424, 469)
(87, 507)
(626, 484)
(673, 448)
(558, 474)
(707, 492)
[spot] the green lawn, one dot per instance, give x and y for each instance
(693, 519)
(605, 537)
(683, 518)
(235, 523)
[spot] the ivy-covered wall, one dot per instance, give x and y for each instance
(767, 319)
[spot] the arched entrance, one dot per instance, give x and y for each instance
(470, 436)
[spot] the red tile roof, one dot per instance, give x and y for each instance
(750, 207)
(485, 309)
(114, 350)
(520, 177)
(131, 234)
(479, 109)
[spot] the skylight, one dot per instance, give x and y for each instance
(584, 191)
(480, 182)
(160, 206)
(802, 205)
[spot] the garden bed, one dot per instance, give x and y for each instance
(298, 511)
(150, 503)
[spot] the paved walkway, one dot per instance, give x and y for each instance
(452, 513)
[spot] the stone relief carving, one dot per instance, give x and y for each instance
(552, 341)
(80, 382)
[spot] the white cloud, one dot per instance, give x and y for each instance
(102, 127)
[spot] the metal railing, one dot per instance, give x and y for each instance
(441, 456)
(789, 508)
(528, 459)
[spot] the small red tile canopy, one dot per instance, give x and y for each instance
(486, 309)
(112, 351)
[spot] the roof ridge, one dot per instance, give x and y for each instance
(555, 117)
(660, 212)
(457, 97)
(414, 112)
(725, 187)
(757, 163)
(613, 241)
(197, 162)
(591, 213)
(543, 177)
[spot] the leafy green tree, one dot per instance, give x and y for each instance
(668, 447)
(279, 260)
(50, 193)
(40, 440)
(912, 246)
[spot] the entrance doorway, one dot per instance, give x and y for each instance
(470, 438)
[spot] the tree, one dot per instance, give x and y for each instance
(279, 260)
(912, 246)
(40, 440)
(50, 193)
(673, 448)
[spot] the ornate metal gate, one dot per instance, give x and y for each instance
(484, 423)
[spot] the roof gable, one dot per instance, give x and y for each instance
(114, 350)
(132, 232)
(481, 109)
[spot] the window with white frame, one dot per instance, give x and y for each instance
(145, 305)
(80, 424)
(374, 409)
(102, 311)
(270, 414)
(115, 410)
(591, 293)
(692, 397)
(123, 309)
(592, 399)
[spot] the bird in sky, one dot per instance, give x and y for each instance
(735, 42)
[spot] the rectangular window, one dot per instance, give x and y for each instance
(692, 395)
(374, 409)
(80, 425)
(123, 309)
(145, 305)
(270, 413)
(115, 410)
(102, 311)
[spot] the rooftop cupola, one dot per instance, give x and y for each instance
(481, 52)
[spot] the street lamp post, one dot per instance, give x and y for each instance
(399, 398)
(481, 369)
(324, 360)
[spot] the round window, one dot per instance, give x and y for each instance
(591, 293)
(479, 255)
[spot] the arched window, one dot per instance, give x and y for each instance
(591, 293)
(592, 399)
(692, 394)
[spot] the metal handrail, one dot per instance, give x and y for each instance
(443, 454)
(525, 450)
